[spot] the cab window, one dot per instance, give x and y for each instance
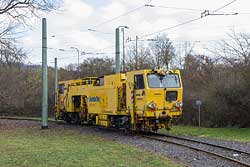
(167, 81)
(61, 88)
(139, 82)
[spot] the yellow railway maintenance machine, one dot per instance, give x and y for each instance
(138, 100)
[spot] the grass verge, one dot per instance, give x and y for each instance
(60, 147)
(232, 134)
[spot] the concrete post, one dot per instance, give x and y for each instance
(136, 52)
(199, 110)
(123, 50)
(44, 76)
(56, 83)
(117, 51)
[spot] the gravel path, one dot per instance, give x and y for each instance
(179, 154)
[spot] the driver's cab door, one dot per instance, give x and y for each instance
(139, 92)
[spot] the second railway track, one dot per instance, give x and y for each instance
(234, 155)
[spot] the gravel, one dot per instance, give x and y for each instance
(14, 124)
(177, 153)
(233, 144)
(228, 153)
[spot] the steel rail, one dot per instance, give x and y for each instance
(203, 142)
(165, 141)
(24, 119)
(197, 149)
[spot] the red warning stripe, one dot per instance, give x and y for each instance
(132, 97)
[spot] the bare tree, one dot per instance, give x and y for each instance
(15, 13)
(163, 51)
(19, 86)
(183, 50)
(141, 60)
(97, 67)
(21, 9)
(10, 54)
(221, 81)
(235, 50)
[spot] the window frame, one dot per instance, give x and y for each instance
(135, 81)
(179, 80)
(169, 92)
(61, 88)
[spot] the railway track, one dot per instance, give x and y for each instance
(237, 156)
(19, 118)
(25, 119)
(227, 153)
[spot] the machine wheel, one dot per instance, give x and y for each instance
(75, 118)
(67, 118)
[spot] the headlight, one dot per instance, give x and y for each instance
(152, 105)
(178, 104)
(163, 72)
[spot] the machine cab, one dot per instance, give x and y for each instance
(155, 93)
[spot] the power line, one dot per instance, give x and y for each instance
(87, 53)
(194, 9)
(168, 28)
(176, 8)
(96, 52)
(189, 21)
(148, 4)
(207, 13)
(64, 35)
(110, 46)
(205, 41)
(107, 21)
(124, 14)
(107, 33)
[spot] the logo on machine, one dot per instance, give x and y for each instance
(94, 99)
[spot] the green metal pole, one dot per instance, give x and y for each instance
(44, 76)
(117, 51)
(123, 51)
(136, 52)
(56, 83)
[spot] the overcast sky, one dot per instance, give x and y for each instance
(69, 26)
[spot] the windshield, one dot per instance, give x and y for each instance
(167, 81)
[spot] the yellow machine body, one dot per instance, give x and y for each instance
(137, 100)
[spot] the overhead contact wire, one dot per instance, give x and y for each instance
(187, 22)
(124, 14)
